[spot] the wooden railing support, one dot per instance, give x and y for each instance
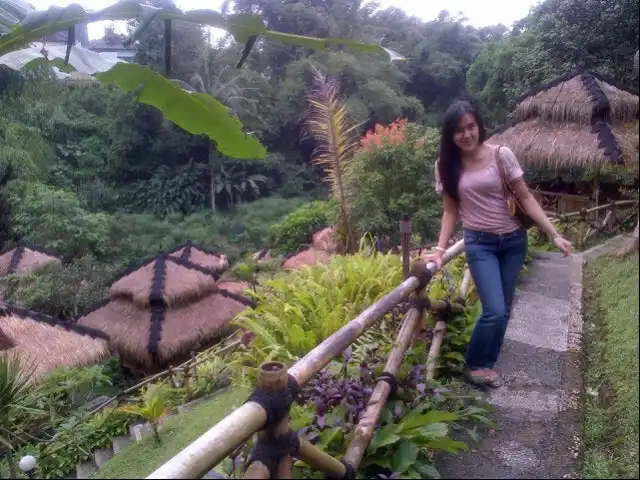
(319, 460)
(272, 378)
(440, 329)
(366, 425)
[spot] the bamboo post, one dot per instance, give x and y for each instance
(405, 235)
(272, 376)
(216, 443)
(366, 425)
(440, 329)
(319, 460)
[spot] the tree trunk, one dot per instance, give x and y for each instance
(212, 176)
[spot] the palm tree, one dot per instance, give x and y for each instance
(336, 142)
(15, 387)
(154, 402)
(227, 88)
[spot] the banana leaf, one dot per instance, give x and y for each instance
(242, 27)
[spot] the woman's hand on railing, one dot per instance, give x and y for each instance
(562, 244)
(436, 258)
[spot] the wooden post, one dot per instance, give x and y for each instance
(366, 425)
(440, 330)
(405, 235)
(272, 376)
(319, 460)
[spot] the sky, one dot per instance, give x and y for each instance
(479, 12)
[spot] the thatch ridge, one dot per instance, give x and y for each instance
(238, 298)
(158, 293)
(8, 308)
(135, 266)
(546, 86)
(17, 256)
(43, 343)
(579, 95)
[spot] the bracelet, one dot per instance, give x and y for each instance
(440, 249)
(555, 235)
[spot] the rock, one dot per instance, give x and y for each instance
(307, 258)
(140, 431)
(85, 469)
(102, 456)
(120, 443)
(325, 240)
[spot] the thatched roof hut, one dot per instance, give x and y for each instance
(202, 256)
(577, 120)
(164, 309)
(25, 258)
(45, 343)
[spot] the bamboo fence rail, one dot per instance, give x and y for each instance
(223, 438)
(185, 367)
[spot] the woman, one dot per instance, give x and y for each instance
(469, 181)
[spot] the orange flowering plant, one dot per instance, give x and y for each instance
(392, 175)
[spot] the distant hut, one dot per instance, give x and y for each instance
(170, 306)
(24, 259)
(45, 343)
(577, 121)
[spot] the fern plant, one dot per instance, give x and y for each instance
(297, 310)
(336, 143)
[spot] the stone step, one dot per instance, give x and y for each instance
(540, 321)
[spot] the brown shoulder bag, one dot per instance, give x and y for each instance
(513, 204)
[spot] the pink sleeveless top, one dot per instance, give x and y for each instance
(483, 206)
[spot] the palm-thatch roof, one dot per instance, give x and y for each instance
(25, 258)
(165, 309)
(44, 343)
(202, 256)
(577, 120)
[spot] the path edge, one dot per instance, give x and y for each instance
(572, 369)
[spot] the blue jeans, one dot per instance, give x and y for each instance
(495, 262)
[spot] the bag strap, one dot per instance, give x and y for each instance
(506, 187)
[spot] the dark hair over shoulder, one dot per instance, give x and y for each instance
(450, 163)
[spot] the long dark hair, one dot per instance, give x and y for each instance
(450, 164)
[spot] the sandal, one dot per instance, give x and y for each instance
(483, 380)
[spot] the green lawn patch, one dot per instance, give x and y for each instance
(611, 403)
(141, 459)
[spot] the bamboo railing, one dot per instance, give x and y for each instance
(274, 379)
(616, 215)
(226, 345)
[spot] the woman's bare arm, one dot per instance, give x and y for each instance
(532, 207)
(449, 220)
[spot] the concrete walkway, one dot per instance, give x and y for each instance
(536, 408)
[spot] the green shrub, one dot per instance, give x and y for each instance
(397, 178)
(296, 227)
(57, 219)
(62, 290)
